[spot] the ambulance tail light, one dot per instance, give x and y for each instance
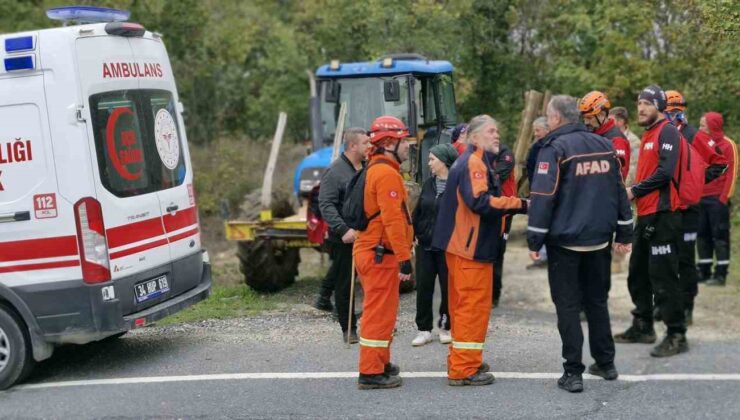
(92, 242)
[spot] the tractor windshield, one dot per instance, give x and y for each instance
(365, 102)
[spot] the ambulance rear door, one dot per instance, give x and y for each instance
(127, 175)
(176, 196)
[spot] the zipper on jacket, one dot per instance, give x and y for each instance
(470, 237)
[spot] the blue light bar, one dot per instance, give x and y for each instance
(23, 43)
(19, 63)
(88, 14)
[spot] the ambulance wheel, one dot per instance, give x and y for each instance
(16, 360)
(268, 268)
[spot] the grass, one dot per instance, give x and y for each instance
(231, 298)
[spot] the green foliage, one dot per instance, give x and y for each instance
(240, 62)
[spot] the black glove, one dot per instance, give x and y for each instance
(713, 172)
(406, 267)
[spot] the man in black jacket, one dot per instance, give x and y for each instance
(341, 237)
(578, 203)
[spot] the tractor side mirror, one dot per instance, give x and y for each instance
(392, 90)
(332, 92)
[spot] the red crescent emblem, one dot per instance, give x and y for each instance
(111, 141)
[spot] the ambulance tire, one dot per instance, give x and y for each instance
(14, 337)
(267, 268)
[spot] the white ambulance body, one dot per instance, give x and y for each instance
(98, 224)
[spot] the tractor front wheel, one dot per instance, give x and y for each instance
(268, 267)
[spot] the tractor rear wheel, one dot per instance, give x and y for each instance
(267, 268)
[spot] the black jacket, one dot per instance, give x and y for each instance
(578, 197)
(425, 212)
(532, 159)
(331, 195)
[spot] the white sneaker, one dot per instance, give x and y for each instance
(422, 338)
(445, 337)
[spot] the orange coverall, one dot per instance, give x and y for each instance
(384, 192)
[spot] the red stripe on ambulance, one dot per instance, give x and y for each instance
(134, 232)
(180, 220)
(62, 246)
(186, 234)
(40, 266)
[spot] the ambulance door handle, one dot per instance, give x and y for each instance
(19, 216)
(173, 208)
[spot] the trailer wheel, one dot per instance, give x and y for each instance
(16, 360)
(267, 268)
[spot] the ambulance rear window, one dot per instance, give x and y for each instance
(137, 140)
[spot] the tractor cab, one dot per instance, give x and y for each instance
(410, 87)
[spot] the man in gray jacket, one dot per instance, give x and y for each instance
(341, 237)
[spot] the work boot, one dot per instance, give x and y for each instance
(381, 381)
(484, 367)
(571, 382)
(639, 332)
(477, 379)
(717, 280)
(352, 337)
(671, 345)
(323, 303)
(391, 370)
(608, 372)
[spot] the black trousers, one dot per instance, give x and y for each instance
(581, 280)
(687, 275)
(498, 265)
(430, 265)
(340, 275)
(654, 270)
(714, 237)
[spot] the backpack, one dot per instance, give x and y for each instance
(690, 183)
(353, 208)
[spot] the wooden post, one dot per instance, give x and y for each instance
(266, 197)
(339, 132)
(532, 106)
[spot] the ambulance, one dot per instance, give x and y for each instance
(99, 231)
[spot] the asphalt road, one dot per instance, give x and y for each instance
(293, 365)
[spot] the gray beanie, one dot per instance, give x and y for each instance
(444, 152)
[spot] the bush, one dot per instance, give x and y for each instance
(227, 169)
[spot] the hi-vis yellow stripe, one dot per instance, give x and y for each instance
(374, 343)
(467, 346)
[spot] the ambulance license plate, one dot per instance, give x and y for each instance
(151, 289)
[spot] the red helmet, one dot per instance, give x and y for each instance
(387, 128)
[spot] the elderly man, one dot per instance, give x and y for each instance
(341, 237)
(468, 229)
(578, 203)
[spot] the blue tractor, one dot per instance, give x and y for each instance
(410, 87)
(418, 91)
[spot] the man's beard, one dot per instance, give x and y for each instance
(650, 121)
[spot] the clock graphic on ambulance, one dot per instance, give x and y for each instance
(165, 135)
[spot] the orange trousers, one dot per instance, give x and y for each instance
(470, 292)
(380, 308)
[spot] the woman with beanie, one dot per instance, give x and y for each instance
(431, 264)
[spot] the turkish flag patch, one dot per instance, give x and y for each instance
(393, 194)
(478, 175)
(543, 168)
